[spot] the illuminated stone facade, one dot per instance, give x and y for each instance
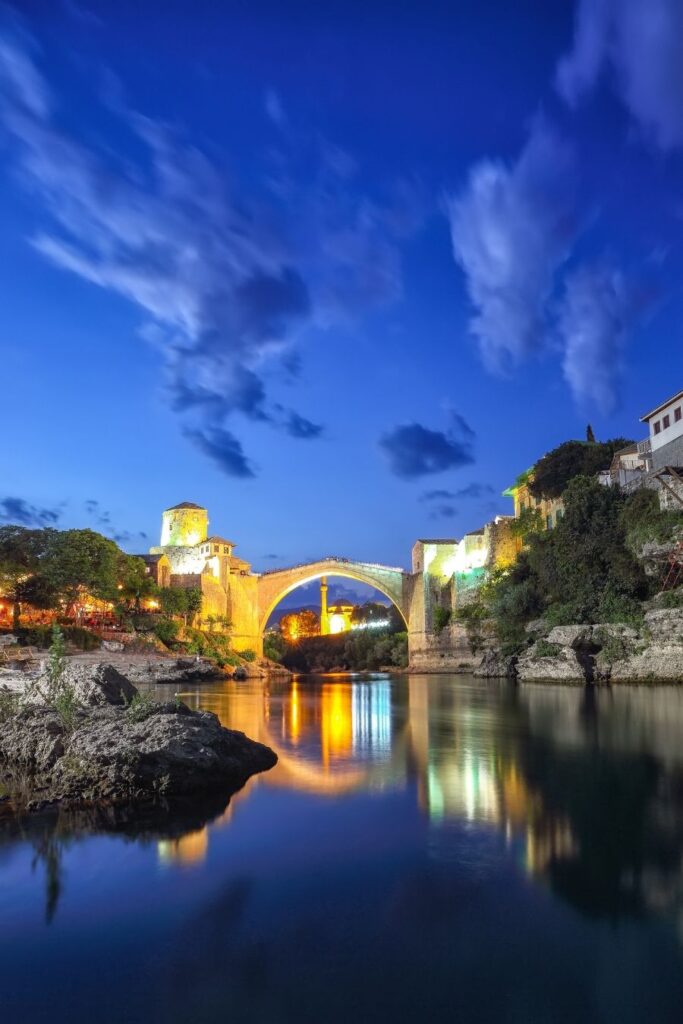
(233, 593)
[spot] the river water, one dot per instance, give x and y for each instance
(427, 849)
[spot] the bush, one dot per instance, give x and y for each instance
(442, 616)
(167, 630)
(544, 649)
(248, 655)
(212, 645)
(644, 522)
(81, 637)
(671, 598)
(141, 706)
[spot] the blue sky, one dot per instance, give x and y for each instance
(339, 272)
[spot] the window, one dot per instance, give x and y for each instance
(216, 549)
(665, 422)
(549, 522)
(677, 414)
(657, 426)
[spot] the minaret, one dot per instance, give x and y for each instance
(324, 615)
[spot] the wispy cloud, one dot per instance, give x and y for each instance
(599, 307)
(226, 277)
(512, 227)
(473, 490)
(414, 450)
(639, 42)
(23, 513)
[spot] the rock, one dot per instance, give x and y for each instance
(167, 670)
(93, 684)
(112, 756)
(240, 673)
(665, 624)
(112, 645)
(537, 626)
(568, 636)
(562, 667)
(8, 640)
(494, 665)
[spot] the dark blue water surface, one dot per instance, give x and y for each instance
(427, 849)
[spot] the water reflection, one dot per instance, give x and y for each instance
(586, 787)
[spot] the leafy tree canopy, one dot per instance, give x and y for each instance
(555, 470)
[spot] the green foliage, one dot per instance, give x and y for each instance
(473, 616)
(82, 561)
(248, 655)
(613, 647)
(166, 630)
(141, 706)
(671, 598)
(528, 522)
(21, 552)
(582, 571)
(274, 646)
(644, 523)
(441, 618)
(212, 645)
(9, 705)
(41, 636)
(555, 470)
(366, 650)
(184, 603)
(58, 693)
(135, 583)
(57, 660)
(544, 649)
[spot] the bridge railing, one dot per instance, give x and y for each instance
(339, 561)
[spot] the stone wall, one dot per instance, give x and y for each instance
(670, 454)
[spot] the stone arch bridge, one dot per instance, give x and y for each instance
(273, 586)
(254, 596)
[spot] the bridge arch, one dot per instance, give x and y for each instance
(273, 586)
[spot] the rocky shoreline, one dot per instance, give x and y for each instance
(117, 746)
(603, 653)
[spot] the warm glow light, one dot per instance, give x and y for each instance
(337, 623)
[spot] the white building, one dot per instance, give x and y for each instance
(665, 425)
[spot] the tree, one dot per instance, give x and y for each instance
(590, 436)
(185, 603)
(135, 583)
(21, 553)
(80, 562)
(296, 625)
(554, 471)
(528, 522)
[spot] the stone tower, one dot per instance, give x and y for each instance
(184, 525)
(324, 614)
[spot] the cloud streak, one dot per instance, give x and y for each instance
(512, 227)
(598, 310)
(22, 512)
(639, 43)
(413, 450)
(226, 276)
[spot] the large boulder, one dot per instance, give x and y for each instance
(110, 754)
(92, 683)
(161, 670)
(495, 665)
(546, 661)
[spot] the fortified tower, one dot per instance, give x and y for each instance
(184, 525)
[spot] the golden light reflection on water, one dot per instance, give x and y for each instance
(340, 735)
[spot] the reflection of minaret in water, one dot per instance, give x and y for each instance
(324, 614)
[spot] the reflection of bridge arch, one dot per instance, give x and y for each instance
(396, 584)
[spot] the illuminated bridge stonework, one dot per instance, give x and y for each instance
(188, 556)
